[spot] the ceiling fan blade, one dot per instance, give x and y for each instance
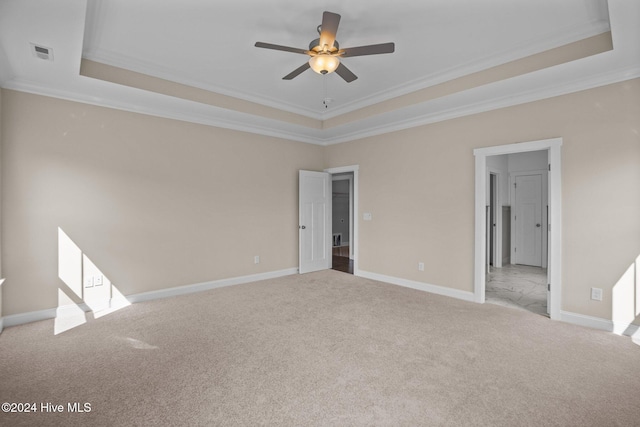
(372, 49)
(345, 73)
(297, 71)
(278, 47)
(328, 29)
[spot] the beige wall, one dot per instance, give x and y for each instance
(419, 186)
(157, 203)
(1, 276)
(154, 203)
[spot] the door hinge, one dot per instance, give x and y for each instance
(549, 286)
(549, 166)
(515, 249)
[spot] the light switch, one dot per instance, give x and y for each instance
(98, 280)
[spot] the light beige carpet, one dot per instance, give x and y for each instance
(324, 348)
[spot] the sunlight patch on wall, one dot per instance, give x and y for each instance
(85, 288)
(69, 263)
(626, 299)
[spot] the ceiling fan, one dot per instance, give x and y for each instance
(325, 51)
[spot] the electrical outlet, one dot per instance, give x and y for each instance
(88, 282)
(596, 294)
(98, 280)
(421, 266)
(256, 259)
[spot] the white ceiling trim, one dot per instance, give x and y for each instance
(144, 102)
(561, 38)
(420, 116)
(164, 106)
(133, 64)
(523, 50)
(61, 80)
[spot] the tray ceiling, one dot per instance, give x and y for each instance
(195, 60)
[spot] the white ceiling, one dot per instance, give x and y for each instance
(209, 45)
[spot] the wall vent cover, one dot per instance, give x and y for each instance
(42, 52)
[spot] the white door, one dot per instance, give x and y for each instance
(528, 220)
(314, 228)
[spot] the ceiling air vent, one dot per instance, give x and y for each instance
(42, 52)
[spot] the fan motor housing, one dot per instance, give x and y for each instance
(315, 46)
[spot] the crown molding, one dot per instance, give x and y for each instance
(418, 115)
(206, 115)
(421, 117)
(132, 64)
(519, 51)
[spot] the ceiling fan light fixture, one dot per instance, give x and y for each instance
(324, 63)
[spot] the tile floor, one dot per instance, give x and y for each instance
(518, 286)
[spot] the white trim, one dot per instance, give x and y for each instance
(497, 249)
(587, 321)
(137, 66)
(205, 286)
(72, 309)
(356, 220)
(1, 324)
(421, 114)
(178, 109)
(524, 49)
(31, 316)
(348, 178)
(521, 51)
(426, 287)
(555, 215)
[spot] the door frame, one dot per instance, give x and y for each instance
(349, 179)
(354, 223)
(554, 229)
(497, 214)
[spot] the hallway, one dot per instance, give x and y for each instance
(518, 286)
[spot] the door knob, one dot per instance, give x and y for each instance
(303, 227)
(537, 225)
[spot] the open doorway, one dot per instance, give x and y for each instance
(540, 248)
(315, 219)
(342, 222)
(522, 281)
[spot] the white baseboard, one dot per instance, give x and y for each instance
(73, 309)
(588, 321)
(627, 329)
(618, 328)
(32, 316)
(205, 286)
(434, 289)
